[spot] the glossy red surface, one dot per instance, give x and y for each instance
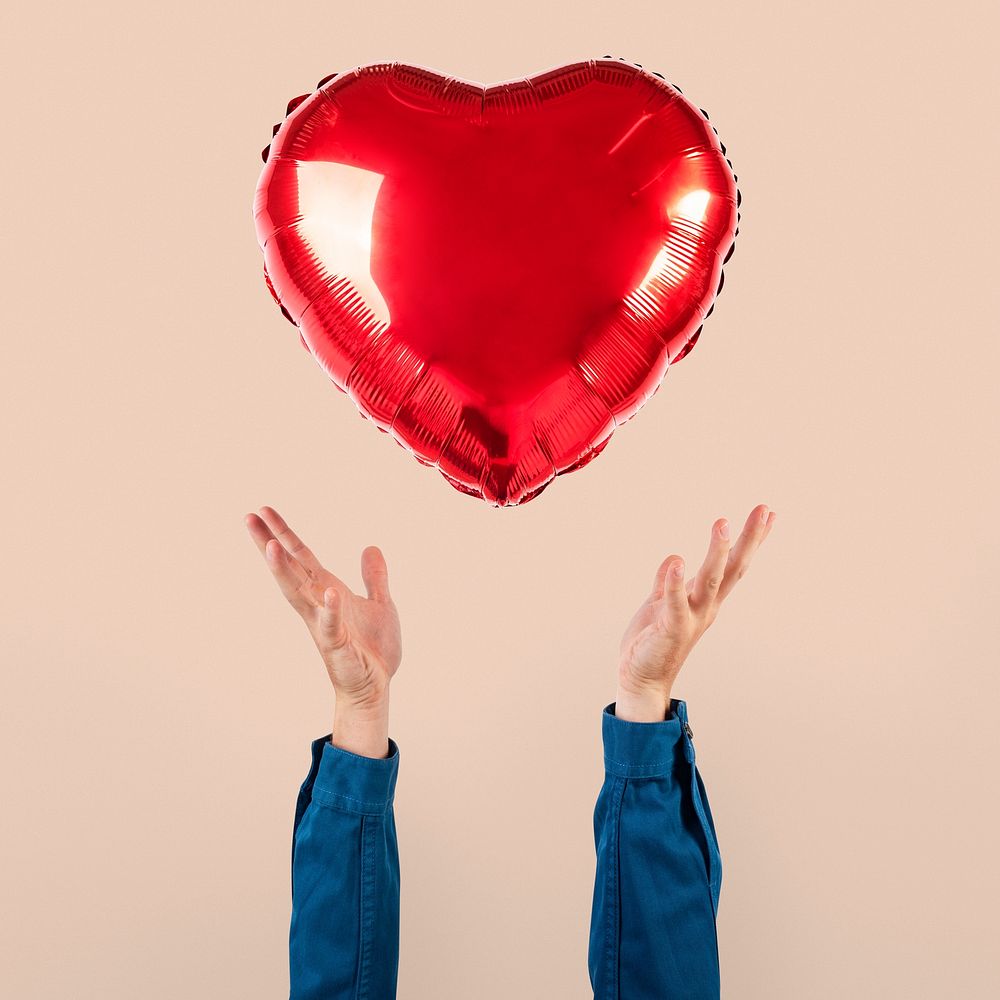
(497, 276)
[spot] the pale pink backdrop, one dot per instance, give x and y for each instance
(158, 699)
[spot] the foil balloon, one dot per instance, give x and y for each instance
(498, 276)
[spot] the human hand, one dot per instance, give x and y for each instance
(675, 616)
(357, 637)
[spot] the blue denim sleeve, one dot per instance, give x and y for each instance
(344, 938)
(659, 871)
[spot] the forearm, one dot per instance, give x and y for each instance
(658, 868)
(344, 934)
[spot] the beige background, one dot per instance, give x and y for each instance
(158, 698)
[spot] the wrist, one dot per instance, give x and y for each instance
(646, 703)
(362, 726)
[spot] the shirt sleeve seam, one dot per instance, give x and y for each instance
(625, 763)
(331, 800)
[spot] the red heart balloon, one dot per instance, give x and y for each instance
(497, 276)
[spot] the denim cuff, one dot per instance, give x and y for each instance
(644, 749)
(352, 783)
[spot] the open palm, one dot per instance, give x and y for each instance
(675, 615)
(358, 637)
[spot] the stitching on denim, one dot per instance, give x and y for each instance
(612, 948)
(622, 763)
(713, 865)
(367, 904)
(350, 798)
(371, 805)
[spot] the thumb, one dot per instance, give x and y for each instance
(331, 619)
(375, 573)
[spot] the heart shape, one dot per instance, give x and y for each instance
(497, 276)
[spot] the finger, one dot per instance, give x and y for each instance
(331, 618)
(660, 580)
(375, 573)
(293, 583)
(713, 569)
(262, 534)
(770, 524)
(743, 551)
(259, 531)
(291, 542)
(675, 596)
